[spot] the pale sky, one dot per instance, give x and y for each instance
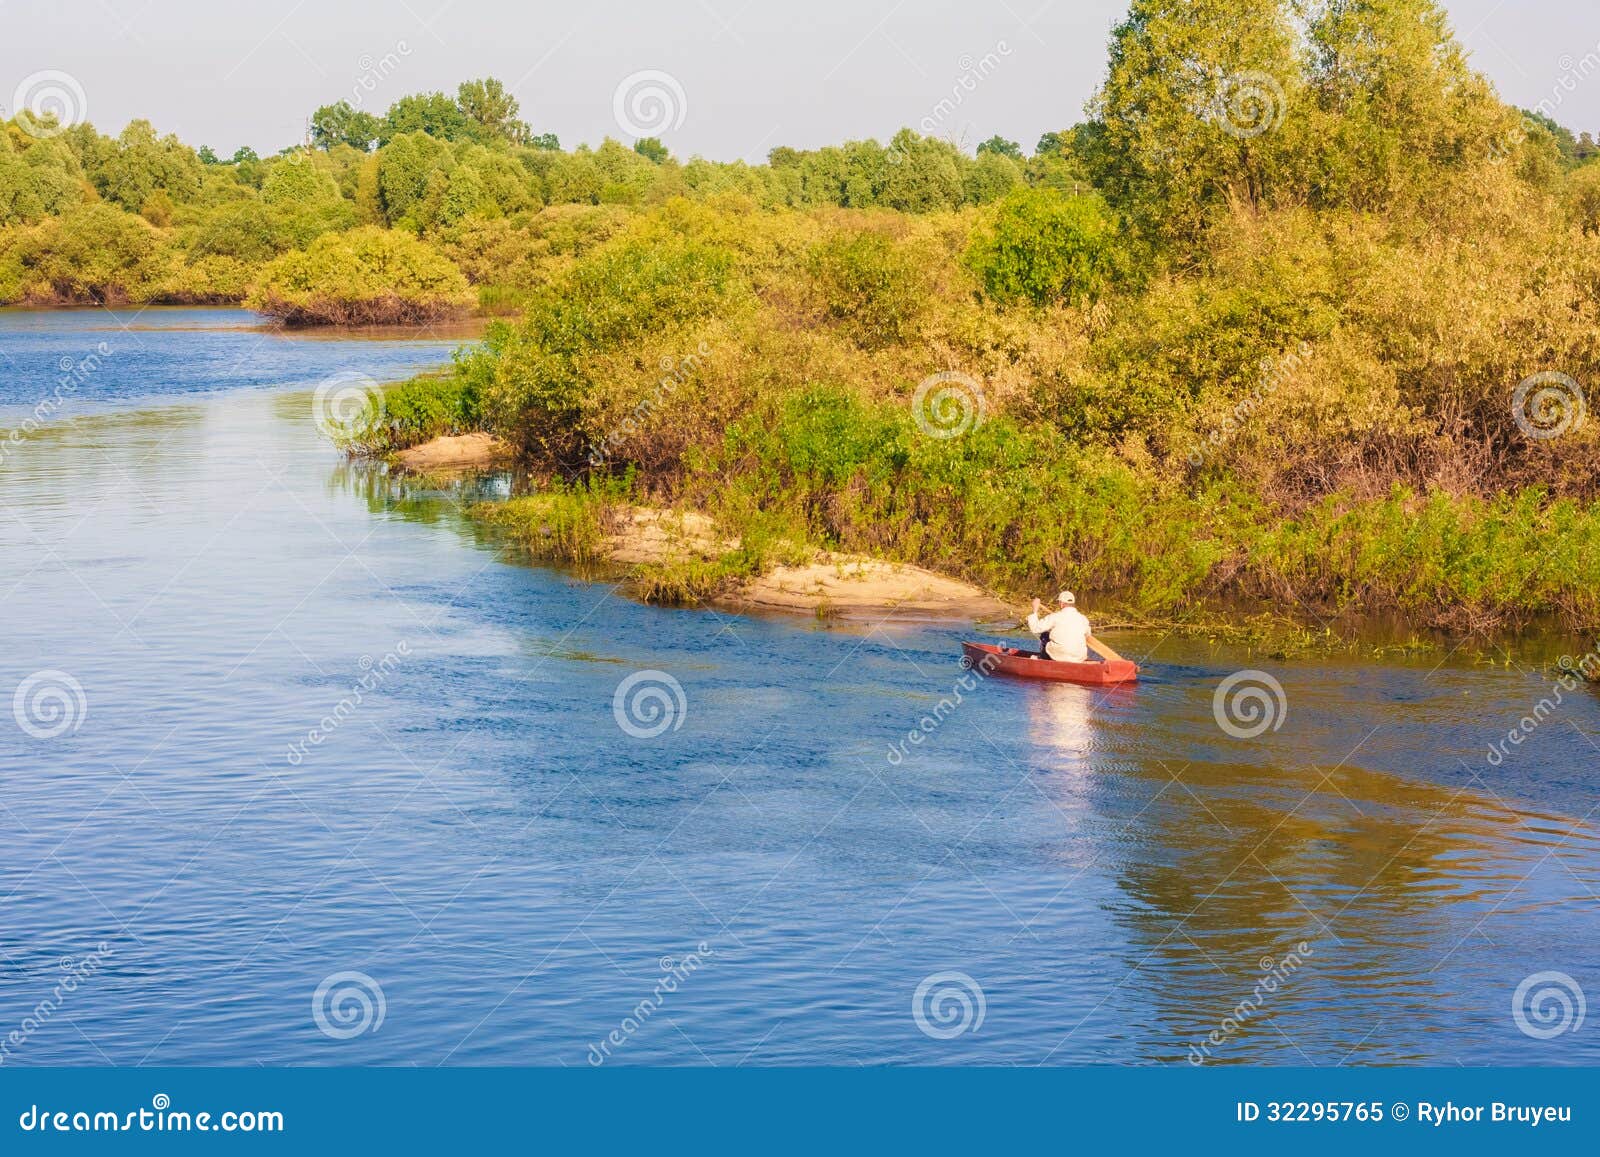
(740, 76)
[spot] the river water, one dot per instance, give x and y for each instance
(302, 769)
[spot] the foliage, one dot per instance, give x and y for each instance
(1253, 330)
(342, 124)
(534, 381)
(38, 179)
(651, 149)
(365, 277)
(871, 284)
(95, 253)
(1261, 103)
(1045, 247)
(416, 411)
(490, 112)
(1002, 147)
(139, 163)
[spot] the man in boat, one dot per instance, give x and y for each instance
(1064, 633)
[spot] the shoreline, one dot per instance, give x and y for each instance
(649, 543)
(682, 558)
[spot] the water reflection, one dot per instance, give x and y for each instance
(1061, 721)
(1364, 875)
(1111, 866)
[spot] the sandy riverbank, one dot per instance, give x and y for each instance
(460, 452)
(636, 538)
(828, 582)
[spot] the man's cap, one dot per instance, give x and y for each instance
(1066, 597)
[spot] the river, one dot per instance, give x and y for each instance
(304, 769)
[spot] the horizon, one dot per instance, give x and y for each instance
(708, 79)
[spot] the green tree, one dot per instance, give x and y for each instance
(490, 112)
(343, 124)
(651, 149)
(1194, 108)
(140, 162)
(460, 195)
(295, 182)
(1045, 247)
(365, 276)
(1005, 148)
(432, 113)
(924, 174)
(1394, 103)
(405, 166)
(990, 177)
(508, 187)
(96, 253)
(40, 181)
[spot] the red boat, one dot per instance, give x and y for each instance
(993, 660)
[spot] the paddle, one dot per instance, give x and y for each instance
(1102, 650)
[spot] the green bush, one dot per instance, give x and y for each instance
(96, 254)
(414, 412)
(1046, 246)
(536, 379)
(874, 285)
(368, 276)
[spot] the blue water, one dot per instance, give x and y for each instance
(88, 356)
(516, 877)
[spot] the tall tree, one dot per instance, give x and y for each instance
(1000, 145)
(341, 124)
(433, 113)
(491, 112)
(1395, 100)
(1194, 108)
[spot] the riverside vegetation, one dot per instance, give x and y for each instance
(1301, 314)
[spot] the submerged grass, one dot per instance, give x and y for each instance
(566, 524)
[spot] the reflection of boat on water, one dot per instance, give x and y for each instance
(1060, 718)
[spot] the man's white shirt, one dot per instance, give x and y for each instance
(1069, 634)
